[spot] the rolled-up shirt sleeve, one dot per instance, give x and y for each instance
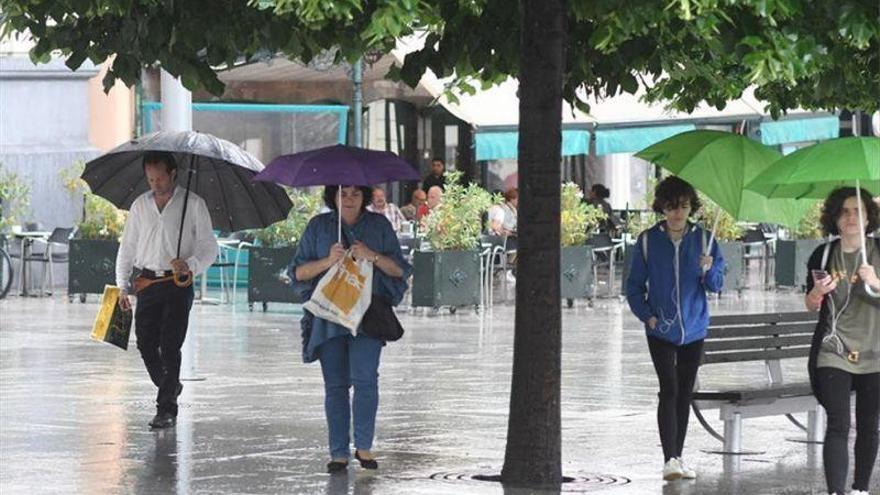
(205, 248)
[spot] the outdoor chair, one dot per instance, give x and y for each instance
(54, 251)
(603, 250)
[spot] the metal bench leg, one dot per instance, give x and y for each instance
(733, 434)
(816, 425)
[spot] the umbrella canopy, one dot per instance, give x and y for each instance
(816, 170)
(223, 173)
(720, 164)
(338, 165)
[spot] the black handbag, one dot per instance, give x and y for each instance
(380, 322)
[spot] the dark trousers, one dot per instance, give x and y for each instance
(835, 387)
(676, 368)
(161, 318)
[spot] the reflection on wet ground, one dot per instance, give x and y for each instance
(74, 413)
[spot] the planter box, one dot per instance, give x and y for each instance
(446, 278)
(267, 275)
(791, 261)
(576, 273)
(733, 273)
(92, 265)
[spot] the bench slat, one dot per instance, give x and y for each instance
(785, 390)
(734, 357)
(755, 331)
(756, 343)
(763, 318)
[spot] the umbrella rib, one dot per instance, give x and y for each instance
(247, 187)
(220, 186)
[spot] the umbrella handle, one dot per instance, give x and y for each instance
(183, 279)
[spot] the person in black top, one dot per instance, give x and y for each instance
(598, 196)
(436, 177)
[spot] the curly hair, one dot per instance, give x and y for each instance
(331, 191)
(833, 209)
(671, 192)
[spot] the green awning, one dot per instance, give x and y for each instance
(503, 145)
(799, 130)
(632, 139)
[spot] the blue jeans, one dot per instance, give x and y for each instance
(347, 361)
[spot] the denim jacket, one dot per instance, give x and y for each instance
(372, 229)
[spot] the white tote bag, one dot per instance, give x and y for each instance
(344, 293)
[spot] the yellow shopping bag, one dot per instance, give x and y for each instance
(343, 294)
(112, 325)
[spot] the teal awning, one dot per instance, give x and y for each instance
(798, 130)
(503, 145)
(632, 139)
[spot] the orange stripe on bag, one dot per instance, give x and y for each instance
(344, 289)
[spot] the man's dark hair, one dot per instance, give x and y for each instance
(331, 191)
(437, 159)
(833, 208)
(162, 157)
(671, 192)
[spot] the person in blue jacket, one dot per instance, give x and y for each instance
(672, 268)
(348, 360)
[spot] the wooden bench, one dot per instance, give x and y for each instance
(769, 339)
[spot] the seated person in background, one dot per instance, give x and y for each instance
(502, 218)
(390, 210)
(411, 211)
(598, 196)
(435, 197)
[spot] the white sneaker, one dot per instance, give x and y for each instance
(672, 470)
(686, 472)
(858, 492)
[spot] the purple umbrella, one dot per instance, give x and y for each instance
(337, 165)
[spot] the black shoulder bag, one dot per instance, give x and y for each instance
(379, 321)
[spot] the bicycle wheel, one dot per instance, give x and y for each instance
(5, 273)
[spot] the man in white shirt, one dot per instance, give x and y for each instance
(381, 206)
(149, 244)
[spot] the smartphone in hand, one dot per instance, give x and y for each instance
(819, 274)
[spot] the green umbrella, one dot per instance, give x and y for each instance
(720, 164)
(815, 171)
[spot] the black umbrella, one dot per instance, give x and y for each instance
(217, 170)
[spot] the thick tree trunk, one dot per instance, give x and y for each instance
(533, 455)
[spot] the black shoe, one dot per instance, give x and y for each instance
(366, 463)
(179, 389)
(336, 467)
(163, 420)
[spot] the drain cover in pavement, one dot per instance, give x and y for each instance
(580, 483)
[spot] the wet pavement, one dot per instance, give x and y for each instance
(74, 413)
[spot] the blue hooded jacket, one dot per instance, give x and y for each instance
(668, 283)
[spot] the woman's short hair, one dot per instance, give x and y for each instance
(331, 191)
(833, 208)
(511, 194)
(671, 192)
(601, 191)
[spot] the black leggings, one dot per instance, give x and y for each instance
(676, 368)
(835, 386)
